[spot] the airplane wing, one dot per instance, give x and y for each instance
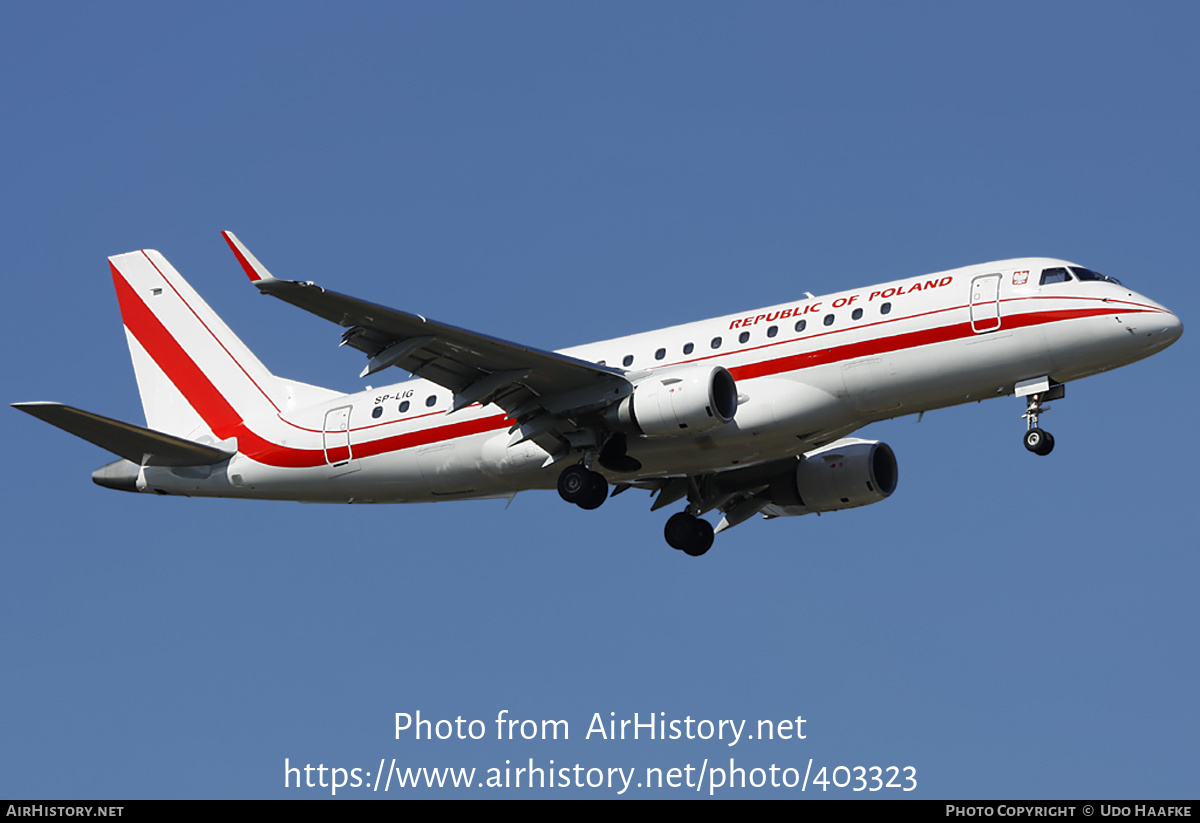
(537, 388)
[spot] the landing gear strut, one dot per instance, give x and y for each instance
(580, 485)
(689, 534)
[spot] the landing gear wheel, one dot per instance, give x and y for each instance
(583, 487)
(573, 483)
(1049, 444)
(690, 535)
(595, 493)
(679, 527)
(702, 537)
(1039, 442)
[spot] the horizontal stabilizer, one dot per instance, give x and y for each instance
(134, 443)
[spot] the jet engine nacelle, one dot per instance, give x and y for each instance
(679, 400)
(842, 475)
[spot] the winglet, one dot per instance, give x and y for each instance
(255, 270)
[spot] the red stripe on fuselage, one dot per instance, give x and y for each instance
(225, 421)
(905, 340)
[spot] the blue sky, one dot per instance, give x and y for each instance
(559, 173)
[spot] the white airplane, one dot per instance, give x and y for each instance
(746, 413)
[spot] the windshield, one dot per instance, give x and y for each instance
(1088, 274)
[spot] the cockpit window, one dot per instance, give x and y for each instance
(1055, 275)
(1087, 274)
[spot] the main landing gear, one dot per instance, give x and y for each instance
(1035, 392)
(691, 535)
(580, 485)
(588, 490)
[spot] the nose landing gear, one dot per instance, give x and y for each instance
(1035, 392)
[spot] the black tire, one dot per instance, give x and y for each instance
(1035, 441)
(688, 534)
(595, 493)
(702, 538)
(1047, 444)
(573, 483)
(678, 530)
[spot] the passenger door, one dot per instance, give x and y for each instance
(985, 303)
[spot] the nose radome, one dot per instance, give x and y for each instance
(1174, 327)
(1161, 329)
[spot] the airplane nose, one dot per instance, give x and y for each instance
(1165, 330)
(1172, 327)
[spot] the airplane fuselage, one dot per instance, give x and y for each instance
(807, 373)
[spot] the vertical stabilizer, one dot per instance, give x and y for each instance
(194, 375)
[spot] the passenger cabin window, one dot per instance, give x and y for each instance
(716, 342)
(771, 332)
(628, 361)
(403, 406)
(377, 411)
(1055, 275)
(430, 400)
(744, 337)
(688, 348)
(660, 354)
(829, 320)
(886, 308)
(800, 324)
